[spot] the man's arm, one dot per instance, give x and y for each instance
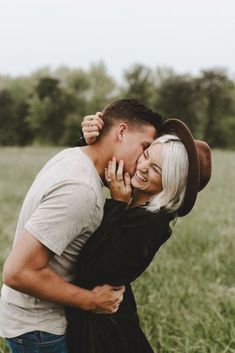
(26, 270)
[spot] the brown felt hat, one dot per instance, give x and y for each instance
(199, 156)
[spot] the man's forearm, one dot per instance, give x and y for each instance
(47, 285)
(26, 270)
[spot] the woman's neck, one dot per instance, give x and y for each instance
(139, 198)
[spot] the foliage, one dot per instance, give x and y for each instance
(15, 129)
(178, 99)
(139, 84)
(47, 107)
(219, 94)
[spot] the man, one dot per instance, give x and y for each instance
(61, 210)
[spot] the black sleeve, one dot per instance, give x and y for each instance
(123, 246)
(80, 141)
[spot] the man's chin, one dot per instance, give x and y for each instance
(132, 173)
(133, 181)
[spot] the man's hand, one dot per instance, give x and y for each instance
(26, 270)
(107, 298)
(91, 127)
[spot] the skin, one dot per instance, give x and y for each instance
(26, 268)
(147, 180)
(133, 145)
(124, 142)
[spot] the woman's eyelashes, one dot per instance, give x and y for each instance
(154, 167)
(156, 170)
(146, 156)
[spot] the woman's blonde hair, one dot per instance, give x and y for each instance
(174, 175)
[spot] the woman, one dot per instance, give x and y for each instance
(168, 176)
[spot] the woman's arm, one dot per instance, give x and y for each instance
(123, 246)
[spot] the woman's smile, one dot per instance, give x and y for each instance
(148, 173)
(140, 176)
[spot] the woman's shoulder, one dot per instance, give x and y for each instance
(151, 221)
(139, 217)
(142, 212)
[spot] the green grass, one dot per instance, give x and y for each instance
(186, 298)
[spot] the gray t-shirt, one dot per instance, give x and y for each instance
(63, 207)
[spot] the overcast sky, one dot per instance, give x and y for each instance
(183, 34)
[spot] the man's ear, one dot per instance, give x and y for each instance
(120, 131)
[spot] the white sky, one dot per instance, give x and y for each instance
(183, 34)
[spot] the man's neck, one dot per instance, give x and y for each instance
(100, 156)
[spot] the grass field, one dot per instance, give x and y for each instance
(186, 298)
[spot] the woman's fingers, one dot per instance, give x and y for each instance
(93, 120)
(97, 122)
(88, 118)
(89, 135)
(99, 118)
(93, 123)
(112, 169)
(118, 183)
(112, 173)
(120, 171)
(106, 174)
(90, 129)
(116, 173)
(127, 179)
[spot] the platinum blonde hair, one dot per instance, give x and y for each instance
(174, 174)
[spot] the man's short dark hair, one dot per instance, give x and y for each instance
(132, 112)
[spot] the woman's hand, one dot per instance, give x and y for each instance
(119, 184)
(91, 127)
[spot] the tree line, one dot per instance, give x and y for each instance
(47, 107)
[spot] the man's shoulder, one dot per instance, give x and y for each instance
(69, 160)
(69, 165)
(71, 189)
(66, 173)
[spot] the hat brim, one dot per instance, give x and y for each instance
(182, 131)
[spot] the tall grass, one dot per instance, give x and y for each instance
(186, 298)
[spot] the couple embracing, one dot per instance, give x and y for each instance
(67, 278)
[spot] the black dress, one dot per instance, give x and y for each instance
(117, 253)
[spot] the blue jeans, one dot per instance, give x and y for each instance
(38, 342)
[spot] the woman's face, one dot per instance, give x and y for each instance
(148, 175)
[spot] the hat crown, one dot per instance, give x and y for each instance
(204, 159)
(199, 157)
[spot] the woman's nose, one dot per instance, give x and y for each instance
(143, 167)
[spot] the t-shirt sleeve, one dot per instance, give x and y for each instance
(63, 213)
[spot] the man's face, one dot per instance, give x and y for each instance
(133, 145)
